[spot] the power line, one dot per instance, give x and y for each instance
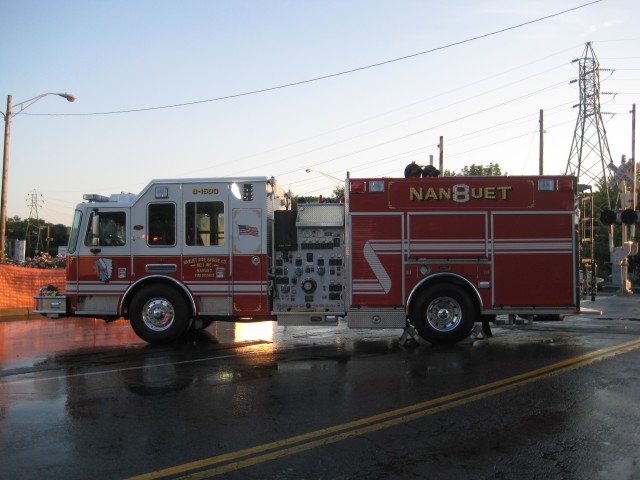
(332, 75)
(463, 117)
(450, 155)
(450, 141)
(369, 132)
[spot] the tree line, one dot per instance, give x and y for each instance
(51, 236)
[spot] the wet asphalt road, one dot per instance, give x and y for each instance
(82, 399)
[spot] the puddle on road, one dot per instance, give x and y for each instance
(30, 342)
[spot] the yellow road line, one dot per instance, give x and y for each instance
(325, 436)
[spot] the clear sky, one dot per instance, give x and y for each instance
(483, 96)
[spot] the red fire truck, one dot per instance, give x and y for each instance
(434, 254)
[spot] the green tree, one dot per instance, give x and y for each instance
(58, 234)
(16, 228)
(336, 196)
(473, 170)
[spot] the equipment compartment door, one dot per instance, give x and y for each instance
(448, 235)
(534, 259)
(376, 248)
(249, 262)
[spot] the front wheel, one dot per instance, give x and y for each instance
(443, 314)
(159, 314)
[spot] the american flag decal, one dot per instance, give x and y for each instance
(248, 230)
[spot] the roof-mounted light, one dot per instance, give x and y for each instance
(358, 186)
(565, 185)
(376, 186)
(545, 185)
(93, 197)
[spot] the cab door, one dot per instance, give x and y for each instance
(104, 260)
(206, 263)
(155, 232)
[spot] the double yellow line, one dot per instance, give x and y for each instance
(289, 446)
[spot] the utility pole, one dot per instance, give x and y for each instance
(541, 162)
(48, 237)
(5, 177)
(633, 154)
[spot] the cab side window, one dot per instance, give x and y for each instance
(161, 221)
(204, 224)
(112, 228)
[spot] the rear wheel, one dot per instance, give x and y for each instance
(443, 314)
(159, 314)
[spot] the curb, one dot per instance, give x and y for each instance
(25, 312)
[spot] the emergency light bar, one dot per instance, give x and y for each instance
(93, 197)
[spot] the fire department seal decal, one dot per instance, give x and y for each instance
(103, 268)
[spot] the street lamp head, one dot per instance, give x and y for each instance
(68, 97)
(331, 177)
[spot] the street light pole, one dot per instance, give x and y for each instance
(5, 156)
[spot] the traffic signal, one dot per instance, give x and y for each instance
(626, 217)
(607, 217)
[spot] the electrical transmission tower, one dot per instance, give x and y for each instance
(34, 199)
(590, 155)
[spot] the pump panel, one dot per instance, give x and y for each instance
(309, 271)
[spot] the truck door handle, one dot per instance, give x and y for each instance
(95, 251)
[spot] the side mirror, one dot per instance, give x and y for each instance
(95, 230)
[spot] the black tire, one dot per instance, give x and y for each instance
(159, 314)
(443, 314)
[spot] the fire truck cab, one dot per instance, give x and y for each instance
(437, 254)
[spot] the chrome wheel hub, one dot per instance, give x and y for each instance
(158, 314)
(444, 314)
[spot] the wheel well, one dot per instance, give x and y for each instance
(445, 279)
(156, 280)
